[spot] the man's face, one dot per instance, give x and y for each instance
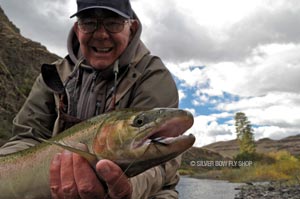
(101, 47)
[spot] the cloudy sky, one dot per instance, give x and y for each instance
(226, 56)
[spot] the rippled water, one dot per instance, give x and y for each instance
(191, 188)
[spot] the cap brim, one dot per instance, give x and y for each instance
(102, 7)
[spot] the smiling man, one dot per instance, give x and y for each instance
(107, 67)
(102, 47)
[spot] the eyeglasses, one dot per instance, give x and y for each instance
(112, 25)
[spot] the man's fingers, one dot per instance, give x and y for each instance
(68, 184)
(88, 184)
(118, 184)
(71, 176)
(55, 177)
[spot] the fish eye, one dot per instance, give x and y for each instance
(140, 121)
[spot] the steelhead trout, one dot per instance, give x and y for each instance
(136, 140)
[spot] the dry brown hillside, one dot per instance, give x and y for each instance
(230, 148)
(20, 61)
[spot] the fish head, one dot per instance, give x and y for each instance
(137, 140)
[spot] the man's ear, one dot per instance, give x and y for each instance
(134, 27)
(75, 28)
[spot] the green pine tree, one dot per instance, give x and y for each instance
(244, 134)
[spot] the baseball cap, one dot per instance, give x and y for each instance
(121, 7)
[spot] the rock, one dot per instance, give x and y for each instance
(268, 191)
(271, 188)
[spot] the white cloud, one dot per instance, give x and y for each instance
(274, 132)
(208, 130)
(270, 99)
(189, 75)
(273, 67)
(199, 130)
(211, 92)
(181, 94)
(193, 111)
(222, 115)
(195, 103)
(275, 108)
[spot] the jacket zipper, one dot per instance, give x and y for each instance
(94, 80)
(98, 106)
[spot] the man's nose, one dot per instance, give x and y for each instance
(101, 32)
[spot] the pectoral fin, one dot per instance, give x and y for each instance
(90, 157)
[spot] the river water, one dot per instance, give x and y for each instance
(191, 188)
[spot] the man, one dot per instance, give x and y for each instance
(108, 67)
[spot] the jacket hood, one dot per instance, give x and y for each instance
(132, 54)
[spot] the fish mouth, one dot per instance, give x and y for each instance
(165, 141)
(158, 137)
(168, 132)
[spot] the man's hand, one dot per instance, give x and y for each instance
(72, 177)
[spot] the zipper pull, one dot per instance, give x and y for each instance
(94, 80)
(98, 106)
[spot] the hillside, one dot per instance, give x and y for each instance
(230, 148)
(20, 61)
(196, 153)
(192, 157)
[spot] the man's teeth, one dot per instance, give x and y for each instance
(102, 50)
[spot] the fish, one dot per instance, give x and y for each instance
(134, 139)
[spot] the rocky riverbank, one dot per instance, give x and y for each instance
(271, 190)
